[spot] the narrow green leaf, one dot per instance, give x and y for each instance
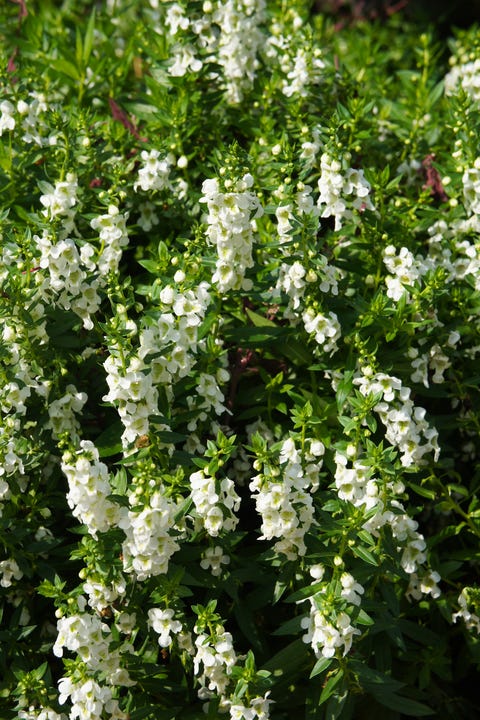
(149, 265)
(259, 320)
(364, 618)
(291, 627)
(65, 68)
(422, 491)
(320, 666)
(330, 686)
(362, 552)
(88, 40)
(403, 705)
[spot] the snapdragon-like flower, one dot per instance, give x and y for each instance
(101, 595)
(33, 120)
(405, 270)
(155, 172)
(257, 709)
(59, 201)
(343, 193)
(325, 328)
(133, 393)
(283, 498)
(113, 235)
(148, 544)
(326, 636)
(89, 489)
(208, 390)
(357, 485)
(62, 413)
(7, 119)
(328, 627)
(175, 18)
(67, 282)
(238, 44)
(213, 558)
(89, 699)
(291, 280)
(231, 229)
(164, 625)
(44, 713)
(216, 502)
(213, 662)
(471, 619)
(405, 425)
(464, 75)
(9, 571)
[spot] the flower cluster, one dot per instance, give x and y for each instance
(328, 628)
(148, 544)
(343, 193)
(465, 76)
(283, 497)
(231, 230)
(216, 502)
(406, 427)
(60, 201)
(227, 34)
(89, 488)
(62, 413)
(155, 171)
(301, 66)
(325, 328)
(92, 641)
(213, 661)
(471, 619)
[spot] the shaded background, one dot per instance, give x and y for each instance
(445, 14)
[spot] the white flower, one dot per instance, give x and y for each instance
(89, 488)
(230, 227)
(326, 329)
(155, 173)
(7, 121)
(341, 193)
(213, 558)
(164, 625)
(9, 571)
(351, 590)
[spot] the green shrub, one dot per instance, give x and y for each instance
(240, 333)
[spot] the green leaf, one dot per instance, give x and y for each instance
(248, 626)
(259, 320)
(289, 662)
(88, 40)
(253, 335)
(65, 68)
(423, 491)
(169, 437)
(320, 666)
(150, 265)
(153, 713)
(290, 627)
(403, 705)
(362, 552)
(364, 619)
(295, 350)
(437, 92)
(344, 388)
(108, 442)
(331, 685)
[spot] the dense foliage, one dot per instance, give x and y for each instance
(239, 311)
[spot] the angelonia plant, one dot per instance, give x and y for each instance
(240, 337)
